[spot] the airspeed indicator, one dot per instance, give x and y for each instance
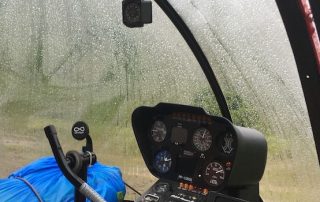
(202, 139)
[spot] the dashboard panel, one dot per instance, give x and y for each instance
(198, 152)
(192, 147)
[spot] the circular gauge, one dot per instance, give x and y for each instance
(161, 187)
(162, 161)
(214, 174)
(202, 139)
(158, 131)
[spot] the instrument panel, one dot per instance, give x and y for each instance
(192, 147)
(196, 153)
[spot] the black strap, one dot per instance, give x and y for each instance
(31, 187)
(132, 189)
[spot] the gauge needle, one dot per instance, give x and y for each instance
(204, 133)
(165, 159)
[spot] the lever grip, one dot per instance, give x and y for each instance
(79, 184)
(51, 134)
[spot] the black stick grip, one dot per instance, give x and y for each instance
(51, 134)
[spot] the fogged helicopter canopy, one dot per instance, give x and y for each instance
(62, 61)
(248, 49)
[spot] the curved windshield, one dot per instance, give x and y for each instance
(246, 44)
(64, 61)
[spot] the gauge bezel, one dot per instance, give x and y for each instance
(224, 172)
(161, 184)
(151, 131)
(154, 162)
(193, 141)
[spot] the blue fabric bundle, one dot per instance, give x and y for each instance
(48, 181)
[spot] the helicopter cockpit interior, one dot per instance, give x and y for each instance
(187, 101)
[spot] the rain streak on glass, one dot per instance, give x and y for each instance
(249, 51)
(65, 61)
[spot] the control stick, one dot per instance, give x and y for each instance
(63, 162)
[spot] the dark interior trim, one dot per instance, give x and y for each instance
(198, 53)
(305, 59)
(315, 6)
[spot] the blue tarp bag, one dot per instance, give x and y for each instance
(43, 178)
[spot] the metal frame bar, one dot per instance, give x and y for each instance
(305, 59)
(198, 53)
